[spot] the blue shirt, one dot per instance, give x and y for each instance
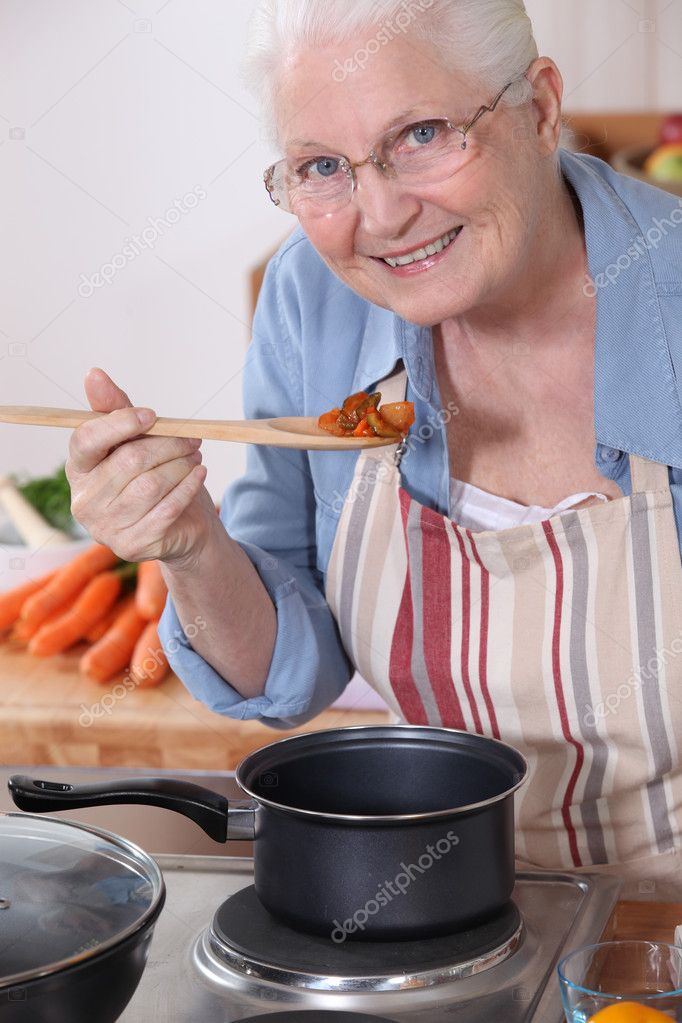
(315, 340)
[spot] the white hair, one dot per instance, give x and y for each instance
(490, 41)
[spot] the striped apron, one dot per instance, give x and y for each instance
(562, 638)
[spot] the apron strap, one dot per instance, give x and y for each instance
(647, 475)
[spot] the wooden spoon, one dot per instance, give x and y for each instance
(288, 432)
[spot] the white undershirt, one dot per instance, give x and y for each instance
(477, 510)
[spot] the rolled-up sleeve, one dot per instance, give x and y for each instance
(271, 513)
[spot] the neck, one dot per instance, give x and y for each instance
(547, 285)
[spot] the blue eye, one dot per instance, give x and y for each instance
(323, 167)
(423, 133)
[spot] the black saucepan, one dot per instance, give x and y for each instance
(379, 832)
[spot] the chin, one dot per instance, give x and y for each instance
(429, 313)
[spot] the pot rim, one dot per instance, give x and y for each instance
(312, 738)
(146, 918)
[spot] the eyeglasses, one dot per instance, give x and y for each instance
(424, 153)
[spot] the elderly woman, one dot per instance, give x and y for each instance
(518, 573)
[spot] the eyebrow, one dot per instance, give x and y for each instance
(305, 144)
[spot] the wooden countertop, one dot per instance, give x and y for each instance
(645, 921)
(49, 714)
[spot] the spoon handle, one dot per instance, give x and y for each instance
(37, 415)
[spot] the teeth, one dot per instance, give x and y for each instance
(428, 250)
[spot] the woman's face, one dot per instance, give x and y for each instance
(492, 198)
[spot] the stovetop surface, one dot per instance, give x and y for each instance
(560, 912)
(245, 933)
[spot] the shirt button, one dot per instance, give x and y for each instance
(610, 454)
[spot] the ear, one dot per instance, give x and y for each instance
(548, 91)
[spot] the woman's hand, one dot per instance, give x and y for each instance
(141, 496)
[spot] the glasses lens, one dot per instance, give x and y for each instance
(313, 188)
(430, 151)
(423, 153)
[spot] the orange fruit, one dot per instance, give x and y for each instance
(629, 1012)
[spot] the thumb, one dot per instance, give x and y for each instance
(102, 392)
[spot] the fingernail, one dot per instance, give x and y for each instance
(145, 416)
(195, 442)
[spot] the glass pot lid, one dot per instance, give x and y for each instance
(68, 893)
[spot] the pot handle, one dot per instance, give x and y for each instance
(219, 818)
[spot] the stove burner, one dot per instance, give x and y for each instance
(247, 940)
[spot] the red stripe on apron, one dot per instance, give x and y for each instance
(466, 629)
(483, 644)
(437, 607)
(558, 688)
(400, 662)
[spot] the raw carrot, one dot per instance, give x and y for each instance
(68, 582)
(12, 601)
(112, 653)
(151, 592)
(106, 621)
(149, 664)
(23, 632)
(94, 601)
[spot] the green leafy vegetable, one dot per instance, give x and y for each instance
(51, 496)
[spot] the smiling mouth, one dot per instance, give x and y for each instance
(418, 255)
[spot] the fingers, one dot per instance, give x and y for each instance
(173, 505)
(159, 521)
(97, 492)
(102, 393)
(148, 489)
(91, 443)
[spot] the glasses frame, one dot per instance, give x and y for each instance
(373, 158)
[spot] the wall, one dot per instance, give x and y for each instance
(614, 54)
(110, 111)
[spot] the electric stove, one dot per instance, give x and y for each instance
(218, 957)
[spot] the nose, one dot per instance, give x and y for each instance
(387, 210)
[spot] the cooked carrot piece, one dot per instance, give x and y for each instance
(379, 427)
(67, 583)
(151, 592)
(399, 415)
(329, 422)
(93, 602)
(353, 402)
(149, 664)
(12, 601)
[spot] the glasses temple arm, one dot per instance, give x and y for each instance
(489, 110)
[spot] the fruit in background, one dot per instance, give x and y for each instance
(629, 1012)
(671, 130)
(665, 163)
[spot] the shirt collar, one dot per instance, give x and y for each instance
(637, 407)
(406, 341)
